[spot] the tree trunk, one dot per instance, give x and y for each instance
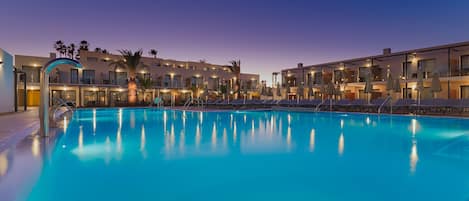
(132, 91)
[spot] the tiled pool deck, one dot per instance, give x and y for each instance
(16, 126)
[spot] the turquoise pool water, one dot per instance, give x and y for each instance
(149, 154)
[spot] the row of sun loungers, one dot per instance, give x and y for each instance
(426, 106)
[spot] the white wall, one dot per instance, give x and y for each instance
(7, 96)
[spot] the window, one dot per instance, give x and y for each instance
(121, 78)
(177, 79)
(427, 66)
(112, 77)
(406, 66)
(465, 92)
(362, 73)
(377, 73)
(167, 81)
(32, 73)
(88, 77)
(74, 76)
(69, 96)
(317, 77)
(465, 65)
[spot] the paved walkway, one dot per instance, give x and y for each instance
(16, 126)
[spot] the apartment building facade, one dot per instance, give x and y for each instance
(100, 84)
(449, 62)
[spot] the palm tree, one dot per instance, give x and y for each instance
(98, 49)
(59, 46)
(71, 50)
(236, 69)
(84, 45)
(153, 53)
(130, 61)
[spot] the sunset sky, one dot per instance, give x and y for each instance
(267, 35)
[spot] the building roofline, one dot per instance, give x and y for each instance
(400, 53)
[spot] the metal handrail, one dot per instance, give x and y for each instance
(384, 102)
(320, 104)
(60, 103)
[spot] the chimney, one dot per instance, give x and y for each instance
(300, 65)
(386, 51)
(52, 55)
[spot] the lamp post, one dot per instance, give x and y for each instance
(44, 84)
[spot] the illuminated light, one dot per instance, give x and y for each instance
(414, 158)
(245, 118)
(341, 68)
(65, 124)
(201, 117)
(3, 163)
(197, 136)
(65, 88)
(94, 121)
(214, 135)
(312, 72)
(341, 123)
(225, 137)
(164, 90)
(80, 139)
(171, 74)
(414, 127)
(341, 144)
(311, 140)
(182, 141)
(234, 132)
(119, 141)
(289, 119)
(165, 119)
(368, 120)
(197, 75)
(142, 139)
(414, 87)
(214, 76)
(120, 117)
(172, 135)
(289, 137)
(252, 79)
(36, 147)
(252, 127)
(120, 90)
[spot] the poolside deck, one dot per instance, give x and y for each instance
(16, 126)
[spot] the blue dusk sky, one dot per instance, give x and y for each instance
(267, 35)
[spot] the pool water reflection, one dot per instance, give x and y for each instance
(150, 154)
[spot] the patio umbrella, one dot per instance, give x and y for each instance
(337, 91)
(397, 85)
(330, 89)
(389, 81)
(300, 91)
(419, 86)
(368, 86)
(310, 91)
(279, 92)
(436, 84)
(323, 88)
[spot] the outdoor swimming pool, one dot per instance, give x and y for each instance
(150, 154)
